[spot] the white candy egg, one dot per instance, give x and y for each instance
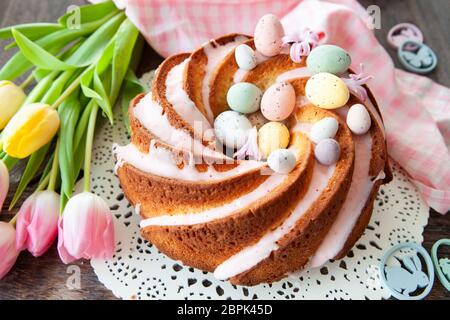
(245, 57)
(232, 128)
(358, 119)
(324, 129)
(282, 161)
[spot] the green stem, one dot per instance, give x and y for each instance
(10, 162)
(14, 219)
(27, 81)
(43, 183)
(73, 86)
(88, 152)
(55, 169)
(60, 81)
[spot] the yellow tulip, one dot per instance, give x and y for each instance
(11, 98)
(30, 129)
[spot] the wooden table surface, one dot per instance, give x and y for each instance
(46, 277)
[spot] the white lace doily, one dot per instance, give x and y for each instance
(139, 271)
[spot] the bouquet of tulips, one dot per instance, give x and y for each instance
(79, 71)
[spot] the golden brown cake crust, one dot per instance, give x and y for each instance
(221, 238)
(206, 245)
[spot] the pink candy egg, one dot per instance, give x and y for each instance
(268, 35)
(278, 101)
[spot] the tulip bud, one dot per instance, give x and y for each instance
(37, 222)
(86, 229)
(30, 129)
(8, 251)
(4, 183)
(11, 99)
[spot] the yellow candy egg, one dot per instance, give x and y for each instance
(327, 91)
(272, 136)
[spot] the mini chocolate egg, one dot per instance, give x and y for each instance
(325, 128)
(245, 57)
(328, 58)
(272, 136)
(327, 151)
(278, 101)
(268, 35)
(282, 161)
(358, 119)
(327, 91)
(257, 119)
(244, 97)
(232, 128)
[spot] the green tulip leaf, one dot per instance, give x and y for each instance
(53, 43)
(34, 163)
(41, 88)
(91, 50)
(127, 36)
(57, 87)
(131, 88)
(89, 13)
(85, 83)
(37, 55)
(105, 59)
(104, 102)
(82, 125)
(32, 31)
(69, 112)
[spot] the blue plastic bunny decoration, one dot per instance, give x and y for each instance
(407, 281)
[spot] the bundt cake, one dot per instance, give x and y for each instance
(255, 157)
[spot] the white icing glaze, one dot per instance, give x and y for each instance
(272, 182)
(252, 255)
(137, 209)
(239, 75)
(357, 196)
(180, 101)
(302, 72)
(215, 54)
(159, 161)
(150, 114)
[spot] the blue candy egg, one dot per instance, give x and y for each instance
(328, 58)
(244, 97)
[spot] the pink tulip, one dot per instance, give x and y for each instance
(4, 183)
(86, 229)
(8, 251)
(37, 222)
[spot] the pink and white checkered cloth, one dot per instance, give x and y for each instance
(416, 110)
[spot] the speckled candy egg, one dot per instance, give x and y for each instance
(245, 57)
(244, 97)
(327, 152)
(278, 101)
(268, 35)
(272, 136)
(328, 58)
(325, 90)
(358, 119)
(232, 128)
(257, 119)
(282, 161)
(325, 128)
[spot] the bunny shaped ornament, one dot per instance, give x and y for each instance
(405, 279)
